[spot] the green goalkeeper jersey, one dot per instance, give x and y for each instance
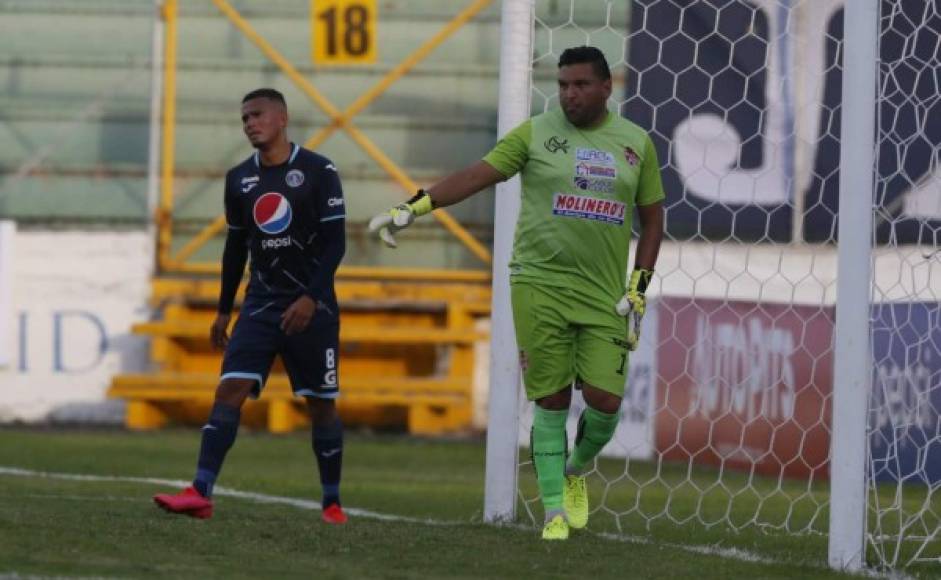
(579, 191)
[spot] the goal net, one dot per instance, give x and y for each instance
(904, 508)
(726, 426)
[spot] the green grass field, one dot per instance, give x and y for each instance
(109, 528)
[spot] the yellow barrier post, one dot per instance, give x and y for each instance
(164, 215)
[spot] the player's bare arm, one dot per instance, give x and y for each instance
(464, 183)
(651, 234)
(454, 188)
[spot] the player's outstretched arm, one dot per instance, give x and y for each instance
(452, 189)
(464, 183)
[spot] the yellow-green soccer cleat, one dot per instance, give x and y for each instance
(556, 529)
(575, 500)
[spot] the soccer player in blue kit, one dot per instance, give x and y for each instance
(284, 207)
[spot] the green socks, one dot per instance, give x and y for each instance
(595, 429)
(549, 443)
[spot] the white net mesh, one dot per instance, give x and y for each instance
(905, 408)
(726, 419)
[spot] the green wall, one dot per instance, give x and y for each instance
(75, 96)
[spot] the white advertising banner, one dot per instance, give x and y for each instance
(75, 297)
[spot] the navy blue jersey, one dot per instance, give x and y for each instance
(288, 215)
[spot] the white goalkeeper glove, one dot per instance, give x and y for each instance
(388, 223)
(633, 305)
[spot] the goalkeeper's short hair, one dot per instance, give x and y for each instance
(586, 54)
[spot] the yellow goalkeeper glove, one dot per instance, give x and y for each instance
(388, 223)
(633, 304)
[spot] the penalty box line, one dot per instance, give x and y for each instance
(709, 550)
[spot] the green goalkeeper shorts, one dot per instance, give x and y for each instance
(563, 335)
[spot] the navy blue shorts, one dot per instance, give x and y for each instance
(309, 357)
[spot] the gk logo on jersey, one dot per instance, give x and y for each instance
(555, 144)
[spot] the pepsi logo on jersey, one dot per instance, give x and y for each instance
(275, 243)
(272, 213)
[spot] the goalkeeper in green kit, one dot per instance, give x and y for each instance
(584, 170)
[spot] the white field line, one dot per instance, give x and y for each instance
(708, 550)
(218, 491)
(743, 555)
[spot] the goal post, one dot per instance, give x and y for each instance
(852, 354)
(516, 46)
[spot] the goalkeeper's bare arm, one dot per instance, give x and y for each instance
(452, 189)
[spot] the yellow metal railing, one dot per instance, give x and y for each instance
(339, 120)
(164, 215)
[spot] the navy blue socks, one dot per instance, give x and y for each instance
(327, 442)
(218, 436)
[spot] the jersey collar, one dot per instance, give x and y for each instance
(295, 149)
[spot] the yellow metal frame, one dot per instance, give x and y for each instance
(408, 352)
(338, 120)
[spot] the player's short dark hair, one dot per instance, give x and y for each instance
(586, 54)
(265, 94)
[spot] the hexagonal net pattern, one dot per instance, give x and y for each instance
(905, 407)
(725, 428)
